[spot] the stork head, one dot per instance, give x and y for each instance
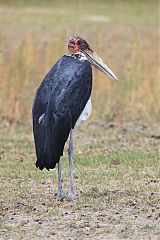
(78, 44)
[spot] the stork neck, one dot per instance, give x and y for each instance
(79, 56)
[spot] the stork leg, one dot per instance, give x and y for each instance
(70, 154)
(60, 191)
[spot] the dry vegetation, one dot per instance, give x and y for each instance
(125, 35)
(116, 167)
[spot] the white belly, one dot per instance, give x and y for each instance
(86, 113)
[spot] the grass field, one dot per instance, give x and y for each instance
(117, 152)
(116, 176)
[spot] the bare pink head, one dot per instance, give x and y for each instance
(78, 44)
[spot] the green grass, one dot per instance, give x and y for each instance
(118, 189)
(136, 11)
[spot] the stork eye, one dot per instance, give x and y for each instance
(72, 42)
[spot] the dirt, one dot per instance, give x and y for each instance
(70, 223)
(115, 202)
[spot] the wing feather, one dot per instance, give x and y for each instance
(61, 97)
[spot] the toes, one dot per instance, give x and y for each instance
(72, 196)
(61, 195)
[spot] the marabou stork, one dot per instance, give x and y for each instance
(62, 101)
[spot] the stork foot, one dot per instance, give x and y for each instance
(72, 196)
(61, 195)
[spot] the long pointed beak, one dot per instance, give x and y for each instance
(97, 62)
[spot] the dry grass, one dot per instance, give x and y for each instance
(125, 34)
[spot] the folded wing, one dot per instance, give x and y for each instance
(58, 103)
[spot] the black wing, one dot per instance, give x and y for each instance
(58, 103)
